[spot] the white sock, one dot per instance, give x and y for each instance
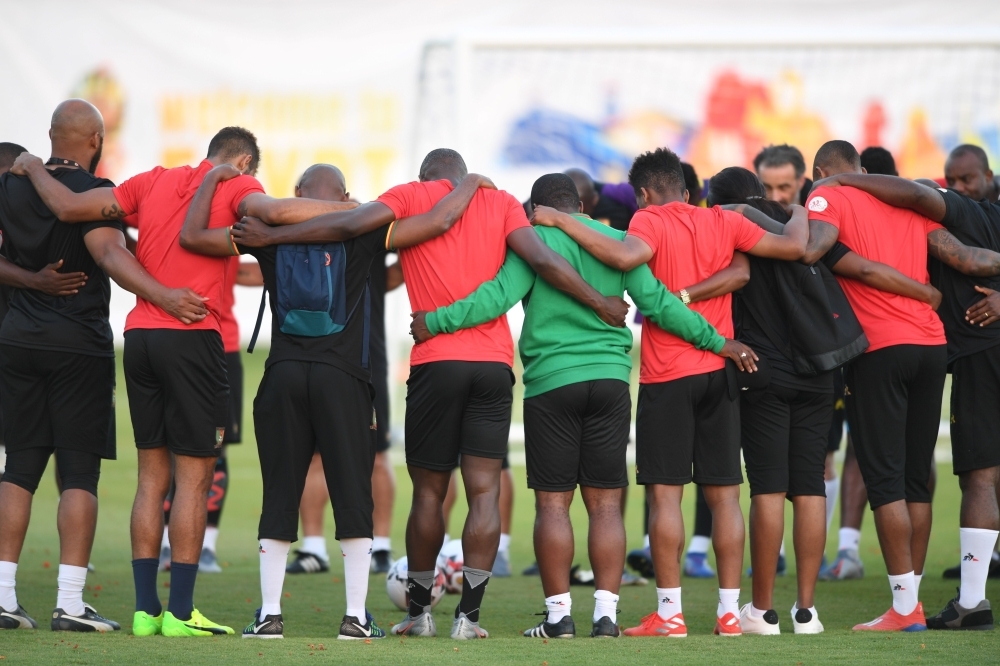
(8, 595)
(668, 602)
(699, 545)
(781, 551)
(315, 545)
(605, 605)
(357, 561)
(850, 539)
(378, 543)
(165, 541)
(273, 558)
(645, 541)
(211, 537)
(756, 612)
(558, 606)
(977, 547)
(916, 587)
(904, 593)
(504, 543)
(71, 582)
(447, 538)
(729, 602)
(832, 490)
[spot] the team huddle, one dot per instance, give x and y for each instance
(762, 312)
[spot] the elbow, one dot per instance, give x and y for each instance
(741, 279)
(186, 241)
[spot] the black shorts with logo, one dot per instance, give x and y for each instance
(303, 408)
(894, 408)
(577, 435)
(975, 411)
(234, 374)
(380, 380)
(457, 407)
(178, 393)
(691, 421)
(784, 433)
(57, 400)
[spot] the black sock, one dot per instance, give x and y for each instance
(473, 589)
(182, 577)
(144, 574)
(217, 493)
(419, 585)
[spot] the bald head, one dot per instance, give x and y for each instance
(322, 181)
(585, 188)
(77, 132)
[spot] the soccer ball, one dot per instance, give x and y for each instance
(395, 585)
(450, 561)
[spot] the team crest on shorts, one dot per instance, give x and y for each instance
(219, 434)
(817, 204)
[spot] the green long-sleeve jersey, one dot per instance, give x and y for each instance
(563, 341)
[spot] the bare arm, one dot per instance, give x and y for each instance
(886, 278)
(249, 275)
(758, 217)
(195, 234)
(69, 206)
(557, 272)
(822, 236)
(895, 191)
(726, 281)
(790, 244)
(975, 261)
(107, 247)
(48, 280)
(623, 255)
(288, 211)
(393, 276)
(414, 230)
(326, 228)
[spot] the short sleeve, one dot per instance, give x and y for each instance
(514, 217)
(374, 242)
(87, 227)
(835, 254)
(131, 193)
(746, 234)
(930, 225)
(824, 206)
(957, 210)
(238, 188)
(399, 200)
(645, 226)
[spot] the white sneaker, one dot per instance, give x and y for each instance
(806, 621)
(763, 626)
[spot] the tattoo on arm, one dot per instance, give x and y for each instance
(112, 212)
(241, 210)
(943, 246)
(822, 236)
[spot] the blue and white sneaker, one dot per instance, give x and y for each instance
(847, 566)
(696, 566)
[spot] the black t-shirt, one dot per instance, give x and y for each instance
(378, 287)
(977, 224)
(342, 350)
(33, 237)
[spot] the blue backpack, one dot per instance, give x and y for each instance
(311, 294)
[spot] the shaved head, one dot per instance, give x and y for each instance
(836, 157)
(322, 181)
(585, 188)
(443, 164)
(77, 133)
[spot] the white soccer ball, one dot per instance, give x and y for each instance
(450, 561)
(395, 585)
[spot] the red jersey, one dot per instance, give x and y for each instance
(230, 328)
(161, 198)
(451, 266)
(892, 236)
(689, 245)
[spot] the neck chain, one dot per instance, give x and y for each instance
(58, 161)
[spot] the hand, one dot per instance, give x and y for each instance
(545, 216)
(933, 297)
(223, 172)
(614, 311)
(484, 182)
(184, 304)
(418, 327)
(252, 232)
(741, 355)
(986, 311)
(50, 281)
(24, 162)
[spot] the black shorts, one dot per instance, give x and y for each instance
(76, 470)
(234, 374)
(894, 408)
(836, 434)
(688, 422)
(380, 380)
(975, 411)
(177, 390)
(304, 408)
(57, 400)
(457, 407)
(784, 433)
(577, 435)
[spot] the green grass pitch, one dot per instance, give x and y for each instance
(314, 604)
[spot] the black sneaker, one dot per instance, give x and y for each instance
(531, 570)
(605, 628)
(350, 630)
(381, 562)
(954, 616)
(954, 573)
(16, 619)
(564, 628)
(642, 561)
(307, 563)
(89, 621)
(272, 626)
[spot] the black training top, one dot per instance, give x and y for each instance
(977, 224)
(33, 238)
(342, 350)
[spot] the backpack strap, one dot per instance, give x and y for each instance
(260, 318)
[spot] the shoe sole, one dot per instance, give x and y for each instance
(263, 636)
(359, 638)
(978, 627)
(80, 626)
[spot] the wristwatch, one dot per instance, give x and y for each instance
(685, 297)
